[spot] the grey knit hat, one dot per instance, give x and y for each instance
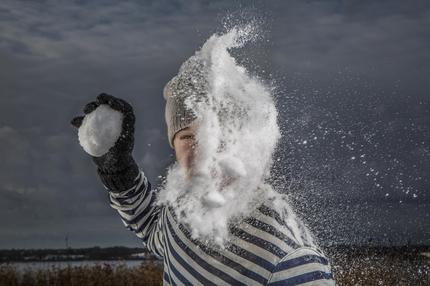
(190, 83)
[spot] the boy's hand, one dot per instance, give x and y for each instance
(119, 157)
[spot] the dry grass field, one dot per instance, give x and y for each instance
(98, 275)
(367, 267)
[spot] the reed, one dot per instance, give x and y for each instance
(97, 275)
(366, 270)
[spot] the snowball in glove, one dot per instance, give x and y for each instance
(100, 130)
(106, 132)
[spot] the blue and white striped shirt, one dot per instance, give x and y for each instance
(263, 249)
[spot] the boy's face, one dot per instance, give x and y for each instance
(185, 144)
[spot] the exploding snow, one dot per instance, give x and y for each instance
(99, 130)
(237, 133)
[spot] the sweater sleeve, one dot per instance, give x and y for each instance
(306, 266)
(138, 211)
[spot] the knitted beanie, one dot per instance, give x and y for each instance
(190, 83)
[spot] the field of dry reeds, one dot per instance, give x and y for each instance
(97, 275)
(368, 267)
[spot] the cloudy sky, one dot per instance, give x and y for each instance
(351, 78)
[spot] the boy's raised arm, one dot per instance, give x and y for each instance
(129, 190)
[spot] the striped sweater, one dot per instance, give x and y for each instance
(263, 249)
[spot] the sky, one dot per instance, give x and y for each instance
(350, 78)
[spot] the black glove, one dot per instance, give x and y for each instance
(116, 168)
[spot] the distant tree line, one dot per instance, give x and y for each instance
(92, 253)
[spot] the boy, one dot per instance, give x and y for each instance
(263, 249)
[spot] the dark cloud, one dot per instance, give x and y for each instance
(352, 74)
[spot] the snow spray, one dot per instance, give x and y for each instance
(237, 133)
